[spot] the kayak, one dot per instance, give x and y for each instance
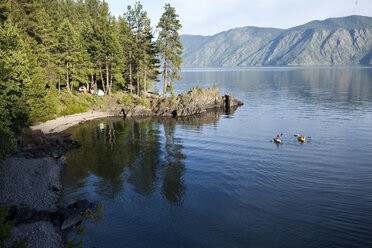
(301, 138)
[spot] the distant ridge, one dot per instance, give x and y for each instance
(334, 41)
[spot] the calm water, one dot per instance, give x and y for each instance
(216, 180)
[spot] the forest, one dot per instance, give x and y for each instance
(50, 48)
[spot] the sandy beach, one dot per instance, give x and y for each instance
(62, 123)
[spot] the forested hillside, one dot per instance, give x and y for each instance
(49, 48)
(335, 41)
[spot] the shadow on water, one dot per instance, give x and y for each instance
(143, 153)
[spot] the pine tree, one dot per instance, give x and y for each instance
(140, 25)
(127, 43)
(14, 82)
(66, 49)
(170, 45)
(4, 10)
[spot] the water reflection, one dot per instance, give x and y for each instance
(144, 154)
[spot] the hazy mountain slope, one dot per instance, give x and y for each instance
(335, 41)
(227, 48)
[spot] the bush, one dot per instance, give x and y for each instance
(127, 99)
(73, 109)
(143, 101)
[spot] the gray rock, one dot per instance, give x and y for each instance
(71, 221)
(40, 234)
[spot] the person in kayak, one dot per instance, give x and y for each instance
(277, 139)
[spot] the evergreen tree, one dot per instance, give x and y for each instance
(127, 43)
(66, 47)
(170, 46)
(4, 10)
(14, 81)
(141, 27)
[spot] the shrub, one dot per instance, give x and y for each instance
(73, 109)
(143, 101)
(127, 99)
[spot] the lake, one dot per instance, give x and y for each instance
(218, 180)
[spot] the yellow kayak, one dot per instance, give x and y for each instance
(301, 138)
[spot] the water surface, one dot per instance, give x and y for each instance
(216, 180)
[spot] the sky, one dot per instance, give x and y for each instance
(208, 17)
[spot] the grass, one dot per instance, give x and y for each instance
(66, 103)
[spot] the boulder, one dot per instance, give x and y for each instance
(73, 220)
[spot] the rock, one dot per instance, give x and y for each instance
(196, 101)
(36, 144)
(80, 206)
(58, 217)
(73, 220)
(231, 101)
(139, 110)
(41, 234)
(25, 215)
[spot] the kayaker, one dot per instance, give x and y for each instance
(277, 139)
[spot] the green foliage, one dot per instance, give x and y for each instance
(95, 215)
(6, 227)
(55, 46)
(74, 243)
(170, 45)
(15, 86)
(73, 109)
(143, 101)
(197, 89)
(80, 229)
(71, 104)
(44, 108)
(127, 99)
(171, 88)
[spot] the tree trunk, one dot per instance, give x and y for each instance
(144, 83)
(130, 73)
(165, 77)
(67, 77)
(95, 81)
(71, 85)
(91, 81)
(109, 89)
(102, 81)
(107, 75)
(144, 78)
(138, 85)
(59, 79)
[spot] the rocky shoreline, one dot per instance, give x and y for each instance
(31, 184)
(196, 101)
(31, 181)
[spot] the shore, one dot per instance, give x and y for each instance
(32, 180)
(60, 124)
(33, 184)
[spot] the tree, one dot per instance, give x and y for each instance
(170, 46)
(14, 85)
(143, 62)
(66, 48)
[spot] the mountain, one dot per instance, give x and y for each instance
(334, 41)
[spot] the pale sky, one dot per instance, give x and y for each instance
(208, 17)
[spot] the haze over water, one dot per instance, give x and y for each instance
(217, 180)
